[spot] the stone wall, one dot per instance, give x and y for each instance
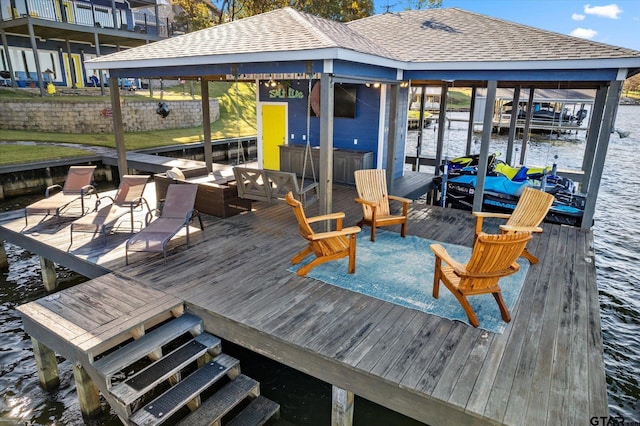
(96, 117)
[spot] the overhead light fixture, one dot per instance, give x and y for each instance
(376, 85)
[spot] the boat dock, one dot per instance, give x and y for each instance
(547, 365)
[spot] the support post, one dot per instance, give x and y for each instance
(206, 124)
(4, 262)
(442, 116)
(416, 165)
(34, 49)
(72, 68)
(595, 122)
(88, 393)
(527, 125)
(326, 144)
(341, 407)
(48, 271)
(611, 106)
(96, 41)
(472, 111)
(118, 128)
(394, 94)
(515, 110)
(5, 46)
(484, 146)
(47, 365)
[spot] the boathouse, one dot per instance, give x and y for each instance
(234, 282)
(375, 60)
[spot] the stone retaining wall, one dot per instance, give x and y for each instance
(96, 117)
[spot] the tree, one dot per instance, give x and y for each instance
(338, 10)
(632, 84)
(192, 15)
(423, 4)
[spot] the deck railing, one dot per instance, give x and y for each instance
(84, 14)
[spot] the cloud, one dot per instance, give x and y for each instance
(610, 11)
(584, 33)
(578, 17)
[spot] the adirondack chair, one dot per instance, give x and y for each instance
(77, 186)
(371, 185)
(177, 212)
(493, 257)
(529, 213)
(127, 199)
(326, 246)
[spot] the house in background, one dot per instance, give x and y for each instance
(50, 40)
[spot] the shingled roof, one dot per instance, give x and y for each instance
(456, 35)
(449, 37)
(283, 30)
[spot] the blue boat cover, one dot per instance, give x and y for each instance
(500, 184)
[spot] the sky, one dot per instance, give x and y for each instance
(611, 22)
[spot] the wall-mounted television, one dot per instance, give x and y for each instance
(344, 100)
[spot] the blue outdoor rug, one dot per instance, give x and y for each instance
(400, 270)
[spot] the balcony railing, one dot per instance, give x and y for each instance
(84, 14)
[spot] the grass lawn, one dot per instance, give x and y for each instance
(227, 126)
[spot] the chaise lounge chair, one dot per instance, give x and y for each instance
(76, 187)
(127, 199)
(177, 212)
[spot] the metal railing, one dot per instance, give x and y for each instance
(84, 14)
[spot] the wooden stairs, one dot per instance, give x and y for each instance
(176, 373)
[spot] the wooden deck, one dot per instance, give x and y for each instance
(547, 366)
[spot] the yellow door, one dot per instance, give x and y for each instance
(274, 134)
(75, 63)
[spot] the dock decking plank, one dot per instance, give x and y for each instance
(538, 351)
(441, 372)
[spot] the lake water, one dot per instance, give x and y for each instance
(306, 401)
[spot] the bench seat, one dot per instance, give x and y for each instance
(272, 185)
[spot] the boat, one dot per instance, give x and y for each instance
(504, 185)
(547, 113)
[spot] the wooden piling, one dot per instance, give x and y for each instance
(341, 407)
(88, 393)
(47, 365)
(48, 271)
(4, 262)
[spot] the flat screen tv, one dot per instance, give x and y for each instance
(344, 100)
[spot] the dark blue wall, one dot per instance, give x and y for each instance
(364, 127)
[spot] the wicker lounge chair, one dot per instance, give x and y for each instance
(127, 199)
(493, 257)
(77, 186)
(177, 212)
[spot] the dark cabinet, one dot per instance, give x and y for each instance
(345, 162)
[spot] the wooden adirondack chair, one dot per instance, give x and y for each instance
(326, 246)
(493, 257)
(371, 185)
(529, 213)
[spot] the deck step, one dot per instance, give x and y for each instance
(257, 413)
(163, 407)
(222, 402)
(146, 379)
(117, 360)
